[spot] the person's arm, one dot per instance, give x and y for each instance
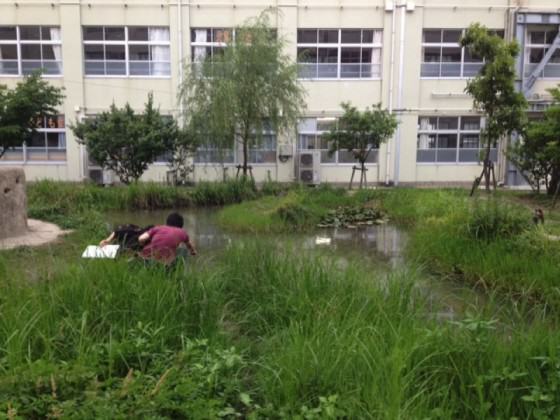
(144, 238)
(191, 247)
(107, 240)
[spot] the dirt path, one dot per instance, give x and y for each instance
(39, 233)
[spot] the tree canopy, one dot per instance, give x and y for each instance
(22, 107)
(537, 154)
(360, 132)
(127, 142)
(493, 89)
(252, 85)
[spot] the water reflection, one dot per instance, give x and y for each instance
(379, 242)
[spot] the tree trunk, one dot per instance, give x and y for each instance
(362, 175)
(554, 181)
(487, 168)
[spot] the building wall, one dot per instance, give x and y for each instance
(412, 98)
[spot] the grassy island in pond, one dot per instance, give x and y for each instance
(260, 330)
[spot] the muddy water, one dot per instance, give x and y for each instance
(379, 248)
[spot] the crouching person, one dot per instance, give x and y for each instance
(162, 243)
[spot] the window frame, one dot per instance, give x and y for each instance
(339, 45)
(18, 42)
(127, 43)
(441, 45)
(529, 67)
(458, 133)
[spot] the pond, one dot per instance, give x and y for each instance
(378, 248)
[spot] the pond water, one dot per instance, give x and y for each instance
(379, 248)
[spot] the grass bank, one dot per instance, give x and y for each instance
(69, 204)
(258, 333)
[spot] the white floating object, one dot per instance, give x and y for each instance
(107, 251)
(322, 241)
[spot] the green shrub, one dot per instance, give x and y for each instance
(295, 215)
(492, 219)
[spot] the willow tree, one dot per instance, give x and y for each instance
(251, 85)
(493, 92)
(361, 132)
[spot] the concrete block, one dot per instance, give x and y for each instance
(13, 202)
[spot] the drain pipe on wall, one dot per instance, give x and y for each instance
(390, 107)
(403, 7)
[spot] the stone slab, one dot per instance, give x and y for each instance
(13, 203)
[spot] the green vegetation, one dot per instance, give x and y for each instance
(294, 210)
(258, 333)
(23, 108)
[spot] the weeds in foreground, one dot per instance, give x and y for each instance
(261, 333)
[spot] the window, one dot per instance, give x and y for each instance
(24, 49)
(264, 152)
(450, 140)
(209, 42)
(126, 51)
(310, 137)
(48, 143)
(537, 45)
(443, 57)
(339, 53)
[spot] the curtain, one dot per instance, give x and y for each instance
(1, 62)
(200, 35)
(57, 49)
(377, 37)
(424, 139)
(160, 53)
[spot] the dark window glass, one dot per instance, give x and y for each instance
(350, 36)
(137, 33)
(432, 35)
(93, 33)
(536, 55)
(447, 123)
(350, 55)
(307, 36)
(307, 55)
(93, 52)
(29, 33)
(139, 52)
(447, 141)
(550, 35)
(8, 33)
(366, 55)
(46, 34)
(328, 36)
(452, 36)
(37, 140)
(451, 55)
(470, 123)
(115, 52)
(8, 52)
(31, 52)
(367, 35)
(48, 52)
(469, 141)
(537, 37)
(432, 54)
(52, 139)
(114, 34)
(328, 55)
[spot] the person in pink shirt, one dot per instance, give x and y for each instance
(161, 242)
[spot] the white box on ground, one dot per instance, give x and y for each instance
(107, 251)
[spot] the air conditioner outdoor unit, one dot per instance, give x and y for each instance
(309, 171)
(101, 177)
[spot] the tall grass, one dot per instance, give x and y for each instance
(260, 332)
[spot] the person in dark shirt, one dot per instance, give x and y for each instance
(160, 243)
(126, 236)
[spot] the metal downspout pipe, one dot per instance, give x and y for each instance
(390, 106)
(400, 93)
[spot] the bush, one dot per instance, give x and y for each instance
(490, 220)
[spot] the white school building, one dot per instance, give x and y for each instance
(402, 54)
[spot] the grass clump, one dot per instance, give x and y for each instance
(491, 219)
